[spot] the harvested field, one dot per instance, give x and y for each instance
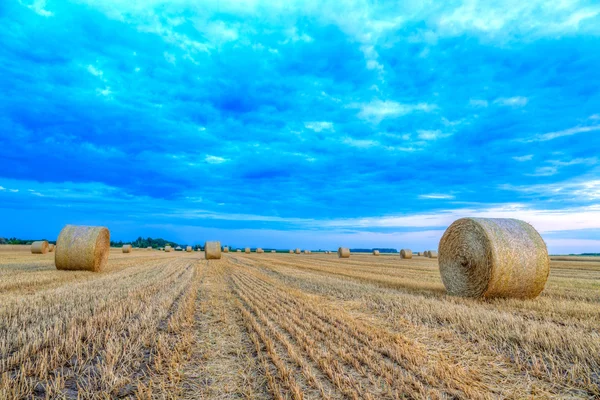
(265, 326)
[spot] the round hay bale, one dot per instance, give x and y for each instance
(168, 249)
(406, 254)
(238, 251)
(212, 250)
(433, 254)
(39, 247)
(493, 257)
(247, 250)
(259, 250)
(273, 251)
(149, 248)
(225, 249)
(343, 252)
(50, 247)
(82, 248)
(127, 248)
(291, 251)
(298, 251)
(375, 252)
(188, 249)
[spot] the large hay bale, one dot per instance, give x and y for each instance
(225, 249)
(298, 251)
(375, 252)
(432, 254)
(168, 249)
(39, 247)
(406, 254)
(343, 252)
(212, 250)
(127, 248)
(82, 248)
(247, 250)
(259, 250)
(50, 247)
(489, 257)
(188, 249)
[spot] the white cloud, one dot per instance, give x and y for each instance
(377, 110)
(360, 143)
(436, 196)
(528, 157)
(544, 171)
(432, 135)
(215, 160)
(94, 71)
(39, 7)
(319, 126)
(104, 92)
(517, 101)
(2, 188)
(588, 190)
(567, 132)
(13, 190)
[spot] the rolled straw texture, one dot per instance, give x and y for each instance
(212, 250)
(126, 248)
(488, 257)
(259, 250)
(50, 247)
(432, 254)
(39, 247)
(225, 249)
(247, 250)
(298, 251)
(82, 248)
(406, 253)
(343, 252)
(188, 249)
(168, 248)
(375, 252)
(291, 251)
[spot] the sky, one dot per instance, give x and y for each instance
(300, 123)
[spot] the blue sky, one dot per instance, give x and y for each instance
(298, 123)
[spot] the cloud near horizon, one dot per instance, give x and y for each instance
(300, 122)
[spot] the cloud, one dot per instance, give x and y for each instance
(436, 196)
(214, 159)
(378, 110)
(566, 132)
(527, 157)
(319, 126)
(517, 101)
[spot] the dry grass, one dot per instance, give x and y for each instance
(174, 325)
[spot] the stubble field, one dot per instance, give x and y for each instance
(262, 326)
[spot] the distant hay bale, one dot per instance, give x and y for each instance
(273, 251)
(406, 254)
(82, 248)
(149, 248)
(343, 252)
(493, 257)
(432, 254)
(259, 250)
(247, 250)
(168, 249)
(291, 251)
(375, 252)
(39, 247)
(238, 251)
(297, 251)
(212, 250)
(225, 249)
(426, 253)
(127, 248)
(188, 249)
(50, 247)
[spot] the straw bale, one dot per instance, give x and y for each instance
(39, 247)
(406, 254)
(212, 250)
(127, 248)
(343, 252)
(375, 252)
(82, 248)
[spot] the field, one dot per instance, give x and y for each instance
(262, 326)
